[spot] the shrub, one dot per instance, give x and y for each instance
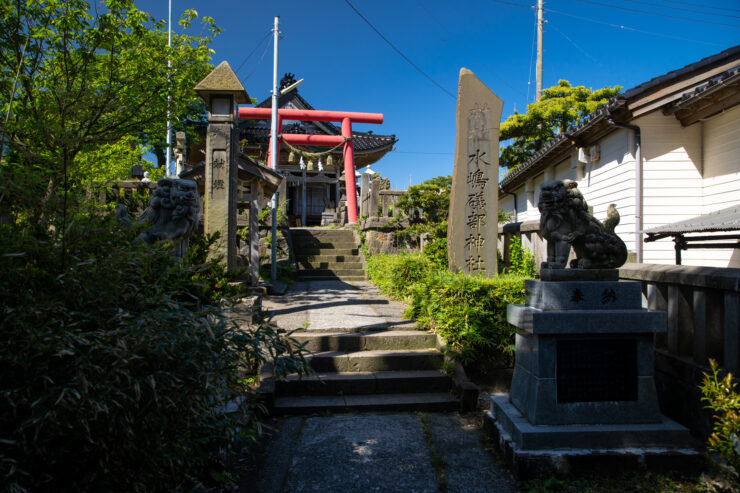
(116, 370)
(469, 312)
(436, 249)
(722, 397)
(396, 274)
(521, 261)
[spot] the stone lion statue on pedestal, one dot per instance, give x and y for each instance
(565, 221)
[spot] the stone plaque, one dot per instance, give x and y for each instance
(473, 226)
(596, 370)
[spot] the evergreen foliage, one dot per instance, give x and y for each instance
(559, 108)
(720, 393)
(521, 261)
(468, 311)
(120, 371)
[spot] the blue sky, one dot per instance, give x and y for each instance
(348, 66)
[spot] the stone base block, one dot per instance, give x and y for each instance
(573, 449)
(579, 274)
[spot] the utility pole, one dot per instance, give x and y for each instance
(540, 22)
(274, 146)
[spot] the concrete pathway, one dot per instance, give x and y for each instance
(384, 452)
(335, 305)
(398, 452)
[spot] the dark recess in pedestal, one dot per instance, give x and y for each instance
(596, 370)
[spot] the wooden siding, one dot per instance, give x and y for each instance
(722, 160)
(672, 184)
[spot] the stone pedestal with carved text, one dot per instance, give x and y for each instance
(583, 390)
(473, 225)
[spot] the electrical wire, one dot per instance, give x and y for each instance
(689, 19)
(701, 5)
(588, 55)
(267, 46)
(681, 9)
(252, 52)
(627, 28)
(408, 60)
(513, 4)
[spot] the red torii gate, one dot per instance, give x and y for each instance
(346, 117)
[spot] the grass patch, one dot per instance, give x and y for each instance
(629, 482)
(438, 463)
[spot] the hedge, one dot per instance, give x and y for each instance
(469, 312)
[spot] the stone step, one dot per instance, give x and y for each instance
(331, 273)
(354, 264)
(354, 383)
(326, 251)
(348, 279)
(432, 402)
(376, 360)
(329, 257)
(321, 232)
(301, 246)
(366, 341)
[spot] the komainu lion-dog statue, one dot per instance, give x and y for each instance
(565, 222)
(172, 214)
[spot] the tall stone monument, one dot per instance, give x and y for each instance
(473, 225)
(222, 91)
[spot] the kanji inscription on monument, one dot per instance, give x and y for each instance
(473, 225)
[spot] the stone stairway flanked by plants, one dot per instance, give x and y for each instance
(366, 356)
(323, 253)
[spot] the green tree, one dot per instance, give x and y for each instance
(431, 196)
(559, 108)
(88, 76)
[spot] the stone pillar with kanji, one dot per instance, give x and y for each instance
(222, 91)
(473, 219)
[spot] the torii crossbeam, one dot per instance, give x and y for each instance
(345, 117)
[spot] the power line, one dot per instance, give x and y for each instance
(252, 52)
(576, 45)
(513, 4)
(408, 60)
(464, 47)
(681, 9)
(657, 14)
(267, 46)
(627, 28)
(701, 5)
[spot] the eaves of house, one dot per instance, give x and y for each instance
(691, 93)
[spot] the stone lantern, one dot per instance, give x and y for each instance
(222, 91)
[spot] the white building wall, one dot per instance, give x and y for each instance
(687, 171)
(722, 160)
(672, 183)
(612, 181)
(721, 157)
